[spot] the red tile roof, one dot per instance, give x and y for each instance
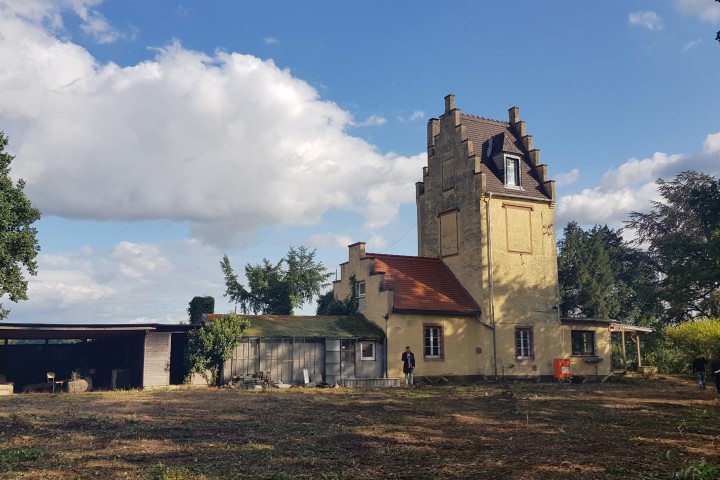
(423, 284)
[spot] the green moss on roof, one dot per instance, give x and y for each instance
(351, 326)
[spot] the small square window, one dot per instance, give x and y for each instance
(583, 343)
(361, 289)
(367, 350)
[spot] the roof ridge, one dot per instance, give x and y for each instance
(485, 118)
(375, 255)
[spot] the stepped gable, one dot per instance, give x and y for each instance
(422, 284)
(481, 131)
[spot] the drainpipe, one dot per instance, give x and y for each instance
(385, 347)
(492, 281)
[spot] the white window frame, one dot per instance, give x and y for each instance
(515, 180)
(524, 343)
(433, 341)
(361, 289)
(362, 350)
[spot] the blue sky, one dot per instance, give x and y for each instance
(156, 136)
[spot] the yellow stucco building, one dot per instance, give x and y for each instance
(481, 297)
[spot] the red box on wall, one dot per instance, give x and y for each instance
(561, 368)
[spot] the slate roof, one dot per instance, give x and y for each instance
(423, 284)
(481, 130)
(348, 326)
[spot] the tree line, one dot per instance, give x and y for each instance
(668, 273)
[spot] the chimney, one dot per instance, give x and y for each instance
(449, 103)
(514, 113)
(433, 130)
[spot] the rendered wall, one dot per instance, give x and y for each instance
(466, 348)
(524, 282)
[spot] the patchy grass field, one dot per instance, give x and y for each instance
(647, 429)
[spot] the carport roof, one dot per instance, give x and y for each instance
(613, 325)
(37, 331)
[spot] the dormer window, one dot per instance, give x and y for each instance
(512, 171)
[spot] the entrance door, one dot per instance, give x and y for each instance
(347, 358)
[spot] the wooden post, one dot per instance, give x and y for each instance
(637, 347)
(624, 354)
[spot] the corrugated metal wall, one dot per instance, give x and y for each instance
(156, 367)
(284, 358)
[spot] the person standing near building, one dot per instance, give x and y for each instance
(698, 366)
(408, 359)
(715, 368)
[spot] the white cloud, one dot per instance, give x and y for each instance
(567, 178)
(371, 121)
(712, 144)
(631, 186)
(95, 25)
(271, 40)
(649, 20)
(636, 171)
(415, 116)
(705, 10)
(128, 283)
(227, 142)
(691, 45)
(330, 240)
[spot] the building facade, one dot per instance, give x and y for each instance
(481, 298)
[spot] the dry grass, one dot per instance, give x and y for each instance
(640, 430)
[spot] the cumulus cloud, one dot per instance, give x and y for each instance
(631, 186)
(705, 10)
(127, 283)
(567, 178)
(649, 20)
(712, 144)
(225, 141)
(330, 240)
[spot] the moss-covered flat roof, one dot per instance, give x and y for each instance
(349, 326)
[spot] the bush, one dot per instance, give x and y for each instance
(213, 343)
(673, 348)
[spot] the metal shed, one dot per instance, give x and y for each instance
(341, 349)
(114, 355)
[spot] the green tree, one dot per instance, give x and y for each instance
(677, 345)
(328, 305)
(210, 345)
(199, 306)
(18, 244)
(602, 276)
(682, 235)
(585, 276)
(277, 288)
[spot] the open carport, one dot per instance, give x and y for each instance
(114, 356)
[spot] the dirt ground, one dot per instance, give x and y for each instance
(644, 429)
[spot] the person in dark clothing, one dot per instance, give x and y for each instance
(715, 368)
(408, 359)
(698, 366)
